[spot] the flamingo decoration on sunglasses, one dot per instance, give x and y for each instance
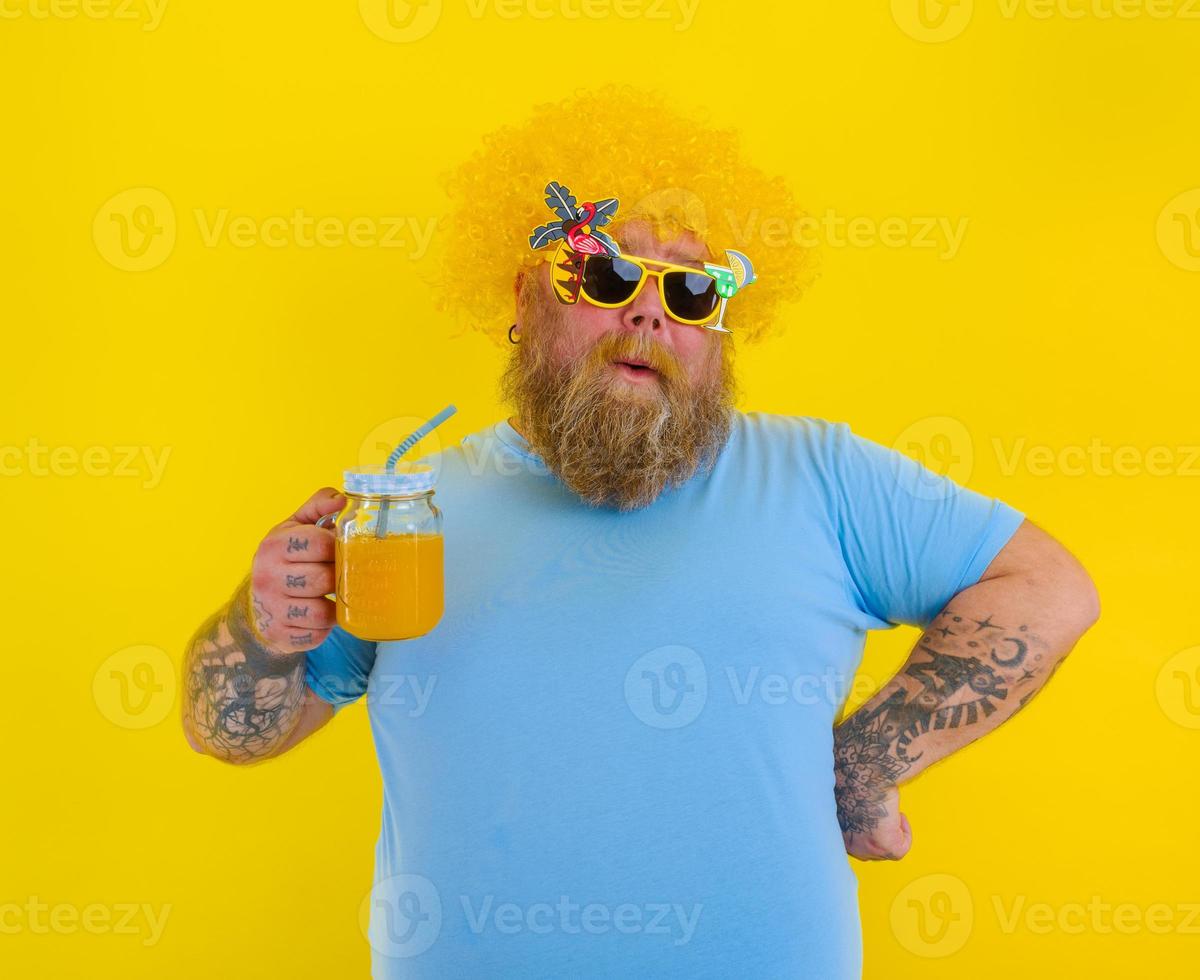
(578, 237)
(578, 233)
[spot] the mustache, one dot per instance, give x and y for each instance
(633, 347)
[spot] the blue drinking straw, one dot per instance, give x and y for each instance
(400, 450)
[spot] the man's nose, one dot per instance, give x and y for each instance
(646, 310)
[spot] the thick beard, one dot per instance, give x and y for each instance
(612, 442)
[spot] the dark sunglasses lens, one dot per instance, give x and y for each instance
(610, 280)
(690, 295)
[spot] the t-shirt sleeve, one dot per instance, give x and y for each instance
(910, 538)
(338, 670)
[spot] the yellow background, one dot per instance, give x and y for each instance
(1068, 314)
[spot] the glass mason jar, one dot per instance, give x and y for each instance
(389, 561)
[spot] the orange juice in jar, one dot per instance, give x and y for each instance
(389, 553)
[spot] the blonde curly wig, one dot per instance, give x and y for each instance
(671, 170)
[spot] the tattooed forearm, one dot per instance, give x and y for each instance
(241, 701)
(968, 672)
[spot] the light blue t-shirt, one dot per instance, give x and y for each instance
(613, 756)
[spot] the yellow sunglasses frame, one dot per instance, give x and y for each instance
(641, 263)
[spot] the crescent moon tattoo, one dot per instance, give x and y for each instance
(1016, 658)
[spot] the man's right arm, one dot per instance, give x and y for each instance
(242, 702)
(244, 693)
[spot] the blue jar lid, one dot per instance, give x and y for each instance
(407, 478)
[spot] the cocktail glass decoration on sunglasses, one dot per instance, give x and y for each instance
(589, 263)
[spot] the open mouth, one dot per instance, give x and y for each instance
(636, 367)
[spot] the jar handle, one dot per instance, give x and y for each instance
(332, 516)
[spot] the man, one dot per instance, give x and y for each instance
(616, 754)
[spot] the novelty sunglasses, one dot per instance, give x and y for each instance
(588, 262)
(688, 295)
